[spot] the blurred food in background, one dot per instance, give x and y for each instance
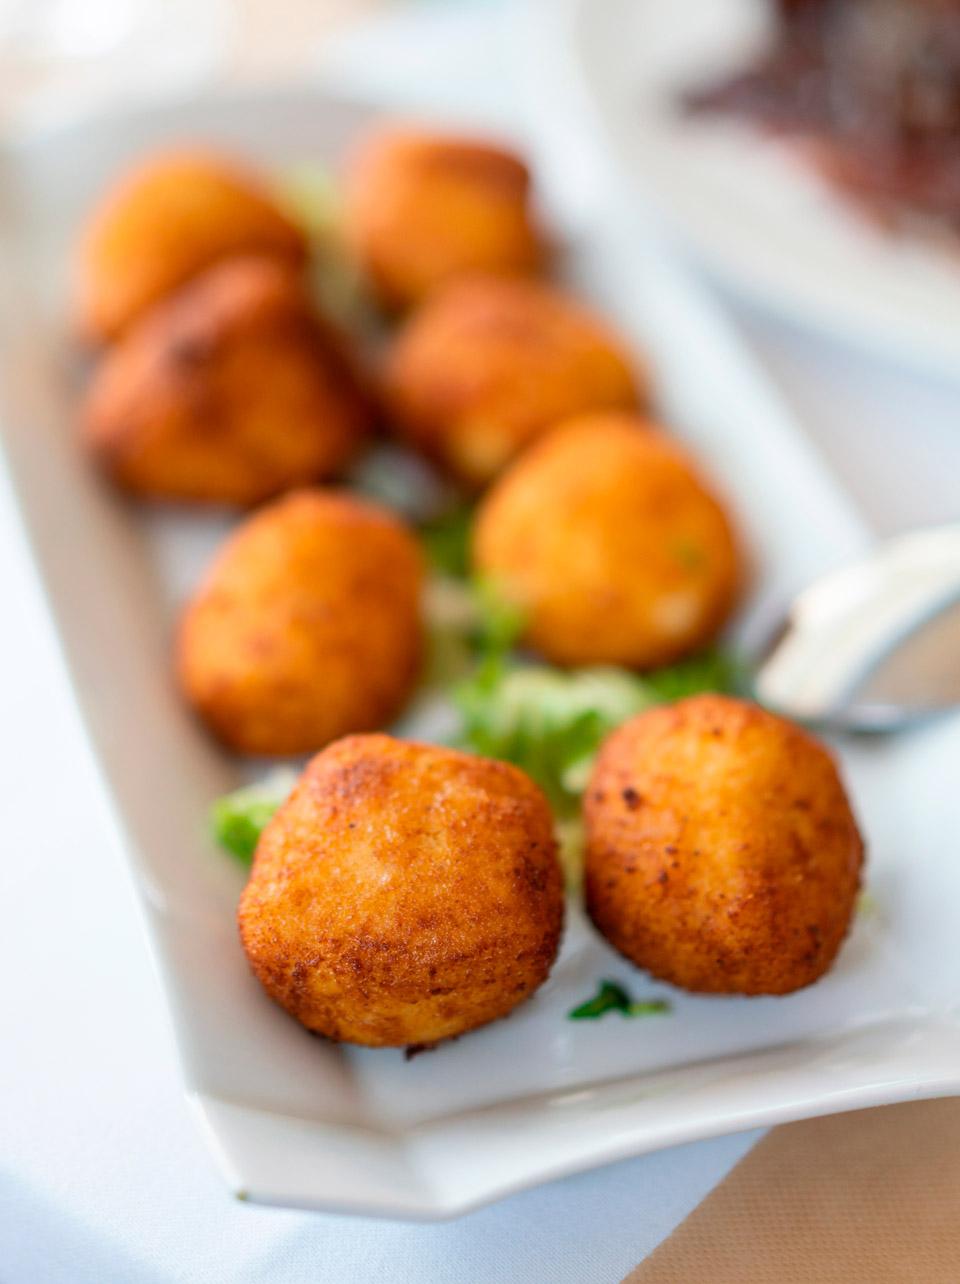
(424, 209)
(233, 389)
(870, 89)
(161, 224)
(489, 364)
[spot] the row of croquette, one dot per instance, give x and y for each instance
(409, 893)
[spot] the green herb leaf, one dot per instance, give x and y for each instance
(611, 997)
(545, 720)
(647, 1007)
(239, 818)
(499, 621)
(551, 721)
(711, 670)
(447, 541)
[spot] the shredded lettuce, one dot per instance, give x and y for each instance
(499, 621)
(239, 818)
(446, 539)
(711, 670)
(545, 720)
(551, 721)
(611, 997)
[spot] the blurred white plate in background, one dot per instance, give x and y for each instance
(749, 208)
(300, 1122)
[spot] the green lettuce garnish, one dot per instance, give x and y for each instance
(548, 721)
(545, 720)
(611, 997)
(238, 818)
(710, 670)
(551, 721)
(446, 539)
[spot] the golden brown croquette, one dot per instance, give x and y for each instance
(404, 894)
(423, 209)
(488, 365)
(611, 543)
(306, 627)
(722, 852)
(227, 393)
(164, 221)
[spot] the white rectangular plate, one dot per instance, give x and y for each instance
(299, 1122)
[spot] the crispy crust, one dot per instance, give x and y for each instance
(488, 365)
(612, 543)
(722, 852)
(424, 209)
(163, 222)
(229, 392)
(306, 627)
(404, 894)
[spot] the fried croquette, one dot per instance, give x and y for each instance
(611, 545)
(307, 626)
(162, 223)
(231, 391)
(423, 209)
(404, 894)
(722, 852)
(487, 365)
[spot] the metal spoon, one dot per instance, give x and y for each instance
(875, 645)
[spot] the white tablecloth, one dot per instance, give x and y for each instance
(103, 1177)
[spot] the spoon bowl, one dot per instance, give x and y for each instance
(875, 645)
